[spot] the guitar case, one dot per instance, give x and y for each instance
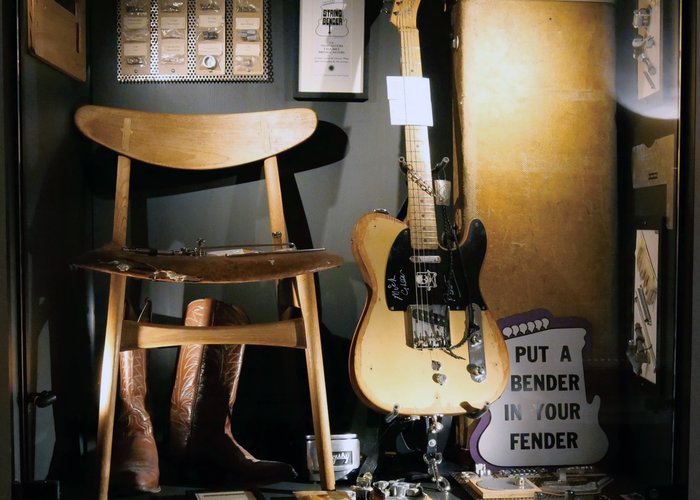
(535, 154)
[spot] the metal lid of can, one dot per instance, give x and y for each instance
(336, 437)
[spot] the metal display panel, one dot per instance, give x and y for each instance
(244, 53)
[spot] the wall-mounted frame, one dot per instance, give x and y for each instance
(643, 344)
(647, 47)
(57, 34)
(332, 55)
(194, 41)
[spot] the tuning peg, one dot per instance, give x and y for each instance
(42, 399)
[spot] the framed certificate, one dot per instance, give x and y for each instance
(331, 51)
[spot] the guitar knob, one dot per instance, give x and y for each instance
(475, 339)
(42, 399)
(475, 370)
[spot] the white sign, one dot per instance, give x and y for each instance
(543, 417)
(409, 100)
(331, 46)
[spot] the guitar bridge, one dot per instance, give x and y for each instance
(428, 326)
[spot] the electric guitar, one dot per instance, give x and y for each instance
(425, 344)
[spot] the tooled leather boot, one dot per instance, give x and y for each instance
(134, 453)
(200, 412)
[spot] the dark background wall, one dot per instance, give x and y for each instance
(8, 241)
(54, 227)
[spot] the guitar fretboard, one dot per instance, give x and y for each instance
(421, 205)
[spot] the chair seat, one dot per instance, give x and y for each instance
(208, 268)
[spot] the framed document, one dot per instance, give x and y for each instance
(644, 339)
(331, 51)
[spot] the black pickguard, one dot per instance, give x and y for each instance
(456, 275)
(440, 283)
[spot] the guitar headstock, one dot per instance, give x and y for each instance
(404, 13)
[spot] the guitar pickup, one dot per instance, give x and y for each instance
(425, 259)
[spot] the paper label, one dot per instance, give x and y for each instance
(210, 49)
(210, 21)
(247, 23)
(173, 46)
(409, 100)
(136, 49)
(173, 22)
(248, 49)
(135, 22)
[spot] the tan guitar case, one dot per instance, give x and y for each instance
(535, 140)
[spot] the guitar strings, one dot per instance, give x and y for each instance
(416, 159)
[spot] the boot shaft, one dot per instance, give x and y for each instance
(206, 378)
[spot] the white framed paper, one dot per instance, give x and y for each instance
(331, 50)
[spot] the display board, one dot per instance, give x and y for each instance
(193, 40)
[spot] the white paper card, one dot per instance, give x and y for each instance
(247, 23)
(173, 23)
(247, 49)
(409, 100)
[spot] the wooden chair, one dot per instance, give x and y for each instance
(200, 142)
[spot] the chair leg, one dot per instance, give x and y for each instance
(306, 290)
(108, 380)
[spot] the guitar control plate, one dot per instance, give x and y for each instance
(475, 341)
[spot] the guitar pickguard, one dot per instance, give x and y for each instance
(422, 277)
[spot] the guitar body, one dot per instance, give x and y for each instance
(386, 370)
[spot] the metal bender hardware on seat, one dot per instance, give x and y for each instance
(204, 142)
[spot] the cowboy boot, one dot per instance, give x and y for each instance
(134, 452)
(203, 397)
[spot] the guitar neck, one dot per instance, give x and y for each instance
(421, 205)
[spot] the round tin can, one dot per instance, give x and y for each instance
(345, 449)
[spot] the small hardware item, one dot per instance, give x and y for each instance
(209, 35)
(135, 60)
(641, 18)
(172, 6)
(220, 251)
(386, 490)
(174, 33)
(136, 35)
(209, 5)
(135, 10)
(244, 62)
(136, 7)
(172, 58)
(209, 62)
(576, 482)
(512, 487)
(363, 487)
(245, 6)
(249, 35)
(639, 46)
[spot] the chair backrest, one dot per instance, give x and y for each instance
(197, 142)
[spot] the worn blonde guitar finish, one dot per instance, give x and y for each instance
(425, 344)
(385, 371)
